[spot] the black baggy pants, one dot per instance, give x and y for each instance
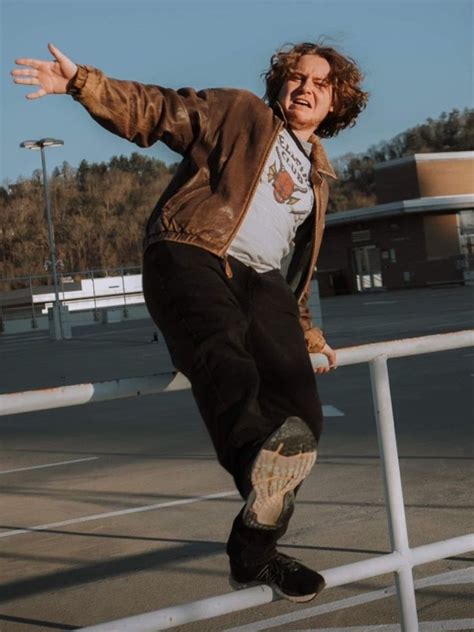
(239, 342)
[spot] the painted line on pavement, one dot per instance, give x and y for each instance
(113, 514)
(18, 345)
(462, 576)
(424, 626)
(332, 411)
(38, 467)
(114, 332)
(10, 338)
(451, 324)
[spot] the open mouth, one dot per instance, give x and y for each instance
(302, 102)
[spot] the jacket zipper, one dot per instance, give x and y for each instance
(225, 258)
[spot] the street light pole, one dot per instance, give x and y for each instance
(42, 144)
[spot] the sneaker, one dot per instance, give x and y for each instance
(288, 577)
(284, 460)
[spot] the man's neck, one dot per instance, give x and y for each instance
(303, 134)
(303, 145)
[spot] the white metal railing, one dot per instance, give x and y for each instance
(400, 561)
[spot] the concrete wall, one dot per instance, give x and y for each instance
(422, 176)
(445, 177)
(399, 182)
(441, 234)
(76, 319)
(415, 251)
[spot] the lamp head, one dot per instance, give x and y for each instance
(43, 142)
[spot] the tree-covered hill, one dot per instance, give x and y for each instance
(100, 211)
(355, 187)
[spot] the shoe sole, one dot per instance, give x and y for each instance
(284, 461)
(236, 585)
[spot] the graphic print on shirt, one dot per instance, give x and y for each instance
(283, 183)
(282, 201)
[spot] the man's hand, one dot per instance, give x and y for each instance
(51, 76)
(332, 360)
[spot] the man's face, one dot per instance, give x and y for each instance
(306, 96)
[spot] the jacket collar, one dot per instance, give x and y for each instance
(319, 157)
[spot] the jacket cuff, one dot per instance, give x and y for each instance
(315, 340)
(304, 313)
(75, 85)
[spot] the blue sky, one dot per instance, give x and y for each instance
(416, 55)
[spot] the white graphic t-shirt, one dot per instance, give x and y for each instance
(282, 201)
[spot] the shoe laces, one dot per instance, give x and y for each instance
(277, 567)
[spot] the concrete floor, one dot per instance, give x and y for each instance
(113, 482)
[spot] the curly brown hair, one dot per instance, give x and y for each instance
(345, 77)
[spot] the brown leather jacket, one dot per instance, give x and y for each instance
(224, 136)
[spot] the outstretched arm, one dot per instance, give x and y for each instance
(51, 76)
(138, 112)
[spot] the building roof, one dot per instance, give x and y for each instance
(438, 204)
(443, 155)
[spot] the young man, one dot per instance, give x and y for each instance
(230, 250)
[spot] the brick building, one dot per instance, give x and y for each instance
(420, 233)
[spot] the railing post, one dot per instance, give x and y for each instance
(34, 323)
(96, 313)
(393, 490)
(125, 310)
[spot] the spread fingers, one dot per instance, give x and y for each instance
(24, 72)
(28, 81)
(27, 61)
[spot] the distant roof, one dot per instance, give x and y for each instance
(436, 204)
(443, 155)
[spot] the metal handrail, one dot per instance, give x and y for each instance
(76, 394)
(167, 618)
(401, 560)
